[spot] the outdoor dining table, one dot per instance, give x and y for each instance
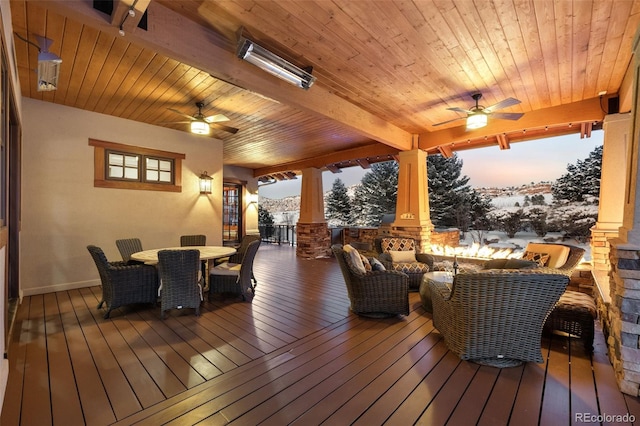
(150, 257)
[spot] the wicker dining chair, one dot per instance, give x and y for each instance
(179, 277)
(496, 318)
(239, 254)
(232, 277)
(127, 247)
(122, 283)
(193, 240)
(374, 294)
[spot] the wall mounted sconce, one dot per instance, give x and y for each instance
(252, 198)
(205, 183)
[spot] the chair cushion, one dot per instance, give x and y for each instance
(558, 254)
(411, 267)
(398, 244)
(227, 268)
(577, 302)
(402, 256)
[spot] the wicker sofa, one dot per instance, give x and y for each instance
(374, 293)
(496, 317)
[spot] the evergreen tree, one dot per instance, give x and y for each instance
(451, 201)
(377, 193)
(338, 205)
(582, 180)
(265, 222)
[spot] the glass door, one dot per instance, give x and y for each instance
(231, 213)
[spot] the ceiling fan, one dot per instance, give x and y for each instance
(477, 115)
(201, 125)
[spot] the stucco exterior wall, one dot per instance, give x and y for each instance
(63, 212)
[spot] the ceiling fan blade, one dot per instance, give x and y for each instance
(181, 113)
(462, 110)
(223, 127)
(507, 115)
(216, 118)
(449, 121)
(502, 104)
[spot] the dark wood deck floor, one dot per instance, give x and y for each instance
(293, 356)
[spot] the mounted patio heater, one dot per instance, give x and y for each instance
(273, 64)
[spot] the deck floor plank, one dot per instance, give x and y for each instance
(295, 355)
(93, 396)
(65, 401)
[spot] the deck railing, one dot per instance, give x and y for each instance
(278, 234)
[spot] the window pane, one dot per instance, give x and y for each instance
(116, 159)
(115, 172)
(131, 161)
(165, 166)
(165, 177)
(130, 173)
(152, 163)
(152, 175)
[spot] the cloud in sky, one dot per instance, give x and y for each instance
(526, 162)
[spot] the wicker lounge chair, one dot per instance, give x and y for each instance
(124, 284)
(376, 293)
(232, 277)
(496, 318)
(127, 247)
(179, 277)
(414, 269)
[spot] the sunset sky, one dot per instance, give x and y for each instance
(525, 162)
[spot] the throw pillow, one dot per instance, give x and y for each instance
(520, 264)
(365, 262)
(540, 258)
(404, 256)
(353, 259)
(376, 265)
(558, 254)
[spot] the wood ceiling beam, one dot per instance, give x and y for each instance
(184, 40)
(367, 151)
(576, 112)
(120, 14)
(503, 141)
(333, 168)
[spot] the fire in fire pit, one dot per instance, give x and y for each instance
(475, 251)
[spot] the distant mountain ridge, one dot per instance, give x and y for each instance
(291, 204)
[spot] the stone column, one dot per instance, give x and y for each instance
(611, 207)
(624, 277)
(412, 206)
(312, 231)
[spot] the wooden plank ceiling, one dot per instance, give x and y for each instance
(386, 70)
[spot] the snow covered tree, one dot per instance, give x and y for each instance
(451, 201)
(582, 180)
(377, 193)
(338, 205)
(265, 222)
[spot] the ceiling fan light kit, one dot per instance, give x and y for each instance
(476, 120)
(200, 127)
(478, 116)
(274, 64)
